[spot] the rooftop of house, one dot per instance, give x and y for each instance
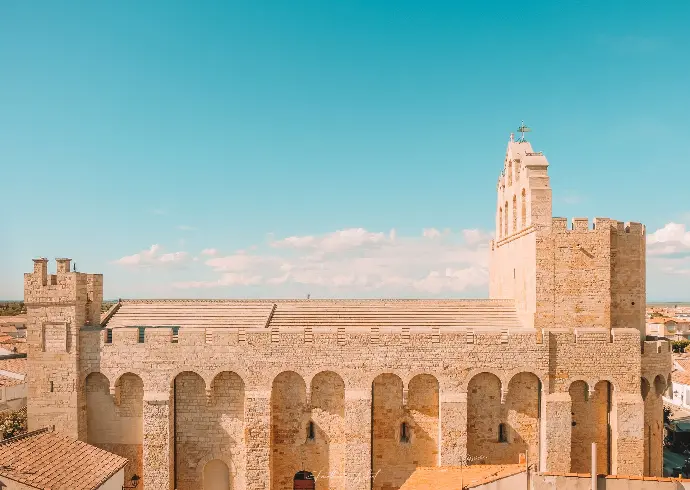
(12, 372)
(332, 313)
(680, 377)
(449, 477)
(45, 459)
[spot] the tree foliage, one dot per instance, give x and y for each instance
(679, 346)
(13, 424)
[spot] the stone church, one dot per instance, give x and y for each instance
(247, 394)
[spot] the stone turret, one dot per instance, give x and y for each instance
(58, 306)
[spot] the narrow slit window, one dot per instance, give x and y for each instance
(311, 433)
(404, 432)
(142, 334)
(502, 436)
(586, 393)
(108, 335)
(175, 334)
(51, 387)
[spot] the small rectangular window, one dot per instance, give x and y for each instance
(51, 386)
(502, 436)
(142, 334)
(108, 335)
(404, 433)
(175, 334)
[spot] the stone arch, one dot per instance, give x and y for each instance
(216, 475)
(484, 416)
(653, 425)
(476, 371)
(645, 387)
(239, 371)
(422, 415)
(175, 375)
(114, 417)
(659, 385)
(586, 382)
(192, 426)
(591, 414)
(521, 415)
(509, 375)
(388, 413)
(290, 416)
(327, 450)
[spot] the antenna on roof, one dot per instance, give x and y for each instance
(522, 130)
(308, 296)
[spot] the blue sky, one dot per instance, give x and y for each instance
(291, 141)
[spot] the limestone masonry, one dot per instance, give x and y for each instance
(243, 394)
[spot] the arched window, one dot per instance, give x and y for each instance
(502, 435)
(506, 220)
(524, 209)
(514, 213)
(510, 173)
(500, 222)
(404, 432)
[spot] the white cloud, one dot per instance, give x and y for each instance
(338, 240)
(672, 239)
(668, 254)
(354, 261)
(209, 251)
(153, 257)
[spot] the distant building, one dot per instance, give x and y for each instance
(13, 385)
(46, 460)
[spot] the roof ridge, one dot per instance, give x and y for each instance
(26, 434)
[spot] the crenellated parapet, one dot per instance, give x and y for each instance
(561, 225)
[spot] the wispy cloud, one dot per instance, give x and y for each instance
(571, 198)
(209, 251)
(158, 211)
(357, 260)
(185, 228)
(153, 257)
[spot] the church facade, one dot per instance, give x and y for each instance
(247, 394)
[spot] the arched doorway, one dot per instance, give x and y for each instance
(303, 480)
(216, 475)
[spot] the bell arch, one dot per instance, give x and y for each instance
(484, 417)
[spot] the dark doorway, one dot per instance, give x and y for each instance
(304, 480)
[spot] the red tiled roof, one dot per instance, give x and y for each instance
(47, 460)
(16, 365)
(681, 377)
(448, 477)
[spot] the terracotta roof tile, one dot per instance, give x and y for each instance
(681, 377)
(15, 365)
(48, 460)
(448, 477)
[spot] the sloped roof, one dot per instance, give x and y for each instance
(47, 460)
(449, 477)
(287, 314)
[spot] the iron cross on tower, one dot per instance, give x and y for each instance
(522, 130)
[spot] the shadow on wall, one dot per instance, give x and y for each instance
(559, 482)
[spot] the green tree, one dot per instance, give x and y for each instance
(13, 425)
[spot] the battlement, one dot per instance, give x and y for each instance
(259, 337)
(598, 224)
(64, 288)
